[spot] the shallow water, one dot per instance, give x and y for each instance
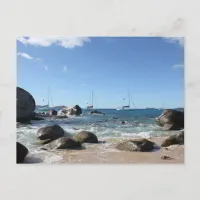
(139, 123)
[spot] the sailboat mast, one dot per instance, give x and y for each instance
(128, 98)
(92, 98)
(48, 97)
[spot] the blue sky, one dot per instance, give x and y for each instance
(151, 68)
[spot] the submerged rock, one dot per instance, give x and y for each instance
(49, 133)
(142, 145)
(86, 137)
(96, 112)
(171, 120)
(174, 139)
(25, 106)
(21, 152)
(62, 143)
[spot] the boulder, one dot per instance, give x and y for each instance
(74, 110)
(142, 145)
(21, 152)
(86, 137)
(49, 133)
(174, 139)
(25, 106)
(62, 143)
(96, 112)
(171, 120)
(52, 112)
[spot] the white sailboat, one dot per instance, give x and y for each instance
(47, 107)
(89, 107)
(127, 107)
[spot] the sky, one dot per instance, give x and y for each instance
(151, 69)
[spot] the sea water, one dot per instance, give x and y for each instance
(138, 123)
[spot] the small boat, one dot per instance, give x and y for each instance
(90, 107)
(128, 107)
(47, 107)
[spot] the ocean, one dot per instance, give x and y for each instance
(138, 123)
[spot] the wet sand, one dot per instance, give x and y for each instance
(106, 153)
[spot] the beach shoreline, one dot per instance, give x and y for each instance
(106, 153)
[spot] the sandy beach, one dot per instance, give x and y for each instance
(106, 153)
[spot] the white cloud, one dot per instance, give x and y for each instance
(25, 55)
(69, 42)
(64, 68)
(46, 67)
(178, 66)
(177, 40)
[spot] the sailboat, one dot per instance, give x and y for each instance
(47, 107)
(127, 107)
(91, 105)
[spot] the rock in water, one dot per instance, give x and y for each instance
(96, 112)
(49, 133)
(52, 112)
(86, 137)
(171, 120)
(25, 106)
(22, 151)
(174, 139)
(142, 145)
(74, 110)
(62, 143)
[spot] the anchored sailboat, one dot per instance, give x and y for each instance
(127, 107)
(47, 107)
(91, 105)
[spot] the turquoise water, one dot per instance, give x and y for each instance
(139, 123)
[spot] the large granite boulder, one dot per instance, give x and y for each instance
(25, 106)
(21, 152)
(49, 133)
(174, 139)
(86, 137)
(142, 145)
(171, 120)
(74, 110)
(62, 143)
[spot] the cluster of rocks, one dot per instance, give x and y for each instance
(26, 109)
(169, 120)
(54, 137)
(144, 145)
